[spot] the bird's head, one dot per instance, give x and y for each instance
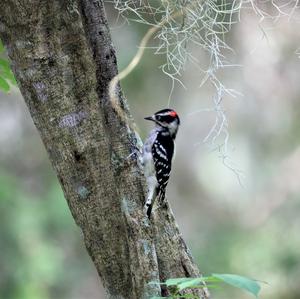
(166, 119)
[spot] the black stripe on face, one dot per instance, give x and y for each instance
(165, 118)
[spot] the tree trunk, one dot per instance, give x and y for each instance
(63, 59)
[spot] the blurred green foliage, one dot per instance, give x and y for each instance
(38, 245)
(6, 74)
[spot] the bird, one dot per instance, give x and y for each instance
(158, 153)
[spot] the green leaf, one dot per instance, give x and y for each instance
(4, 85)
(186, 282)
(211, 278)
(190, 283)
(177, 281)
(241, 282)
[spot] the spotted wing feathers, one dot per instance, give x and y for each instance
(162, 152)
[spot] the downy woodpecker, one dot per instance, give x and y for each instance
(158, 152)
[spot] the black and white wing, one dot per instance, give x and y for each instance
(162, 152)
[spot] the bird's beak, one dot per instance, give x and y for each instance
(150, 118)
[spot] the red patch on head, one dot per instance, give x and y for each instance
(173, 113)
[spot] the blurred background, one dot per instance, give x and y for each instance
(243, 221)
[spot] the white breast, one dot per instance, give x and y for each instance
(147, 154)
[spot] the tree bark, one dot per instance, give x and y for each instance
(63, 59)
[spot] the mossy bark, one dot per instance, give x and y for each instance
(63, 59)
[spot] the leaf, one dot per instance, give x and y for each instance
(4, 85)
(211, 279)
(241, 282)
(190, 283)
(177, 281)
